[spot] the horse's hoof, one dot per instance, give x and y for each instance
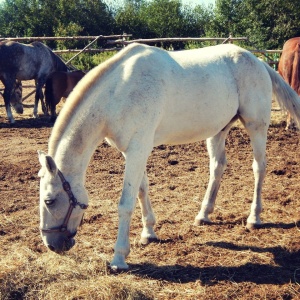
(252, 226)
(118, 269)
(202, 222)
(145, 241)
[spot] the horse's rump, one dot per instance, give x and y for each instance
(295, 82)
(289, 63)
(289, 67)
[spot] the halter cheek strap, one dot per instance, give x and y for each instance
(73, 203)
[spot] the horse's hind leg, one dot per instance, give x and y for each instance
(217, 166)
(148, 235)
(258, 137)
(53, 109)
(290, 123)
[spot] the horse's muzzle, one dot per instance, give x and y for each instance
(64, 242)
(18, 108)
(66, 245)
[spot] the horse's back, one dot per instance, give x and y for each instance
(9, 50)
(74, 77)
(25, 61)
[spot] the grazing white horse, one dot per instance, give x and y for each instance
(141, 98)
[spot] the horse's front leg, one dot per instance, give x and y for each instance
(36, 100)
(136, 161)
(7, 96)
(216, 151)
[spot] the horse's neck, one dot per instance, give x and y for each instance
(74, 151)
(58, 62)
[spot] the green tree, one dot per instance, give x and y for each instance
(229, 18)
(202, 17)
(271, 22)
(48, 17)
(162, 18)
(267, 23)
(129, 19)
(17, 17)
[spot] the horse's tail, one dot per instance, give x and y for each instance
(285, 96)
(49, 94)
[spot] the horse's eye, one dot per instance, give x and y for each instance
(49, 202)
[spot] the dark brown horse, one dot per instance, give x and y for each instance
(26, 62)
(59, 85)
(289, 68)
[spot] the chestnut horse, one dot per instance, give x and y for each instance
(26, 62)
(289, 69)
(59, 85)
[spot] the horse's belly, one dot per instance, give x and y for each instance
(184, 135)
(191, 131)
(181, 137)
(25, 75)
(191, 121)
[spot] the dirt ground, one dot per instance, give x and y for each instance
(220, 261)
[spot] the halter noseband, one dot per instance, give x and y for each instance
(73, 203)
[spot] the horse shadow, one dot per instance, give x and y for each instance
(285, 270)
(41, 122)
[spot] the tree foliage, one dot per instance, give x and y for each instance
(55, 18)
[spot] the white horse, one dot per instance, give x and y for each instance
(141, 98)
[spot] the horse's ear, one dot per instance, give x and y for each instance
(47, 162)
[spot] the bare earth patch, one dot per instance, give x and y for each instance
(220, 261)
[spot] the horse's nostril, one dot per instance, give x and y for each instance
(51, 248)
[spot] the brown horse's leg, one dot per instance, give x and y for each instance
(53, 111)
(39, 95)
(44, 108)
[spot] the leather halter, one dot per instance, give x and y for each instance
(73, 203)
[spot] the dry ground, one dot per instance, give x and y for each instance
(221, 261)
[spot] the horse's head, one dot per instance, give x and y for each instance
(60, 212)
(16, 98)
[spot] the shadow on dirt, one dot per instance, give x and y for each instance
(40, 122)
(250, 272)
(286, 270)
